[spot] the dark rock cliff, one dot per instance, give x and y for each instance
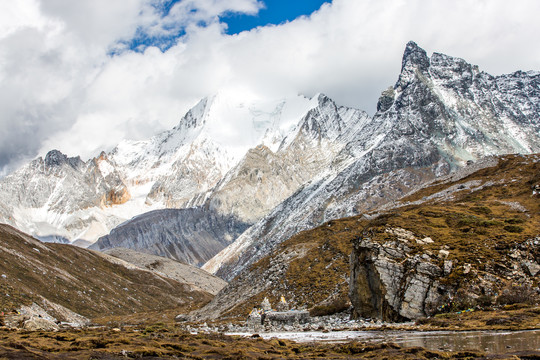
(189, 235)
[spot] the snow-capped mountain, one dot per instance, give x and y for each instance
(260, 181)
(67, 199)
(63, 198)
(282, 165)
(441, 113)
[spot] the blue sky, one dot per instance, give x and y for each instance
(272, 12)
(275, 12)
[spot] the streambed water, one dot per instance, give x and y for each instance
(488, 341)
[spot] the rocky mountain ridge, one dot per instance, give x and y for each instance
(441, 113)
(191, 235)
(467, 239)
(181, 272)
(65, 198)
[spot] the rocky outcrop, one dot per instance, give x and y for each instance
(392, 282)
(47, 317)
(441, 113)
(115, 197)
(191, 236)
(282, 317)
(35, 324)
(389, 284)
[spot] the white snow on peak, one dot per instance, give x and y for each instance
(105, 167)
(233, 124)
(176, 165)
(238, 124)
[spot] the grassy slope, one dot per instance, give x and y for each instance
(167, 343)
(480, 227)
(82, 280)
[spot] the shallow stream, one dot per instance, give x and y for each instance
(488, 341)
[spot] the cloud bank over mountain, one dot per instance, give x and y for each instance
(72, 79)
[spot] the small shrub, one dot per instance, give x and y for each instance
(158, 327)
(497, 321)
(517, 295)
(489, 223)
(514, 221)
(433, 321)
(484, 300)
(147, 352)
(467, 221)
(429, 213)
(462, 301)
(513, 228)
(481, 210)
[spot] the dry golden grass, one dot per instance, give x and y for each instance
(509, 317)
(82, 280)
(168, 342)
(479, 227)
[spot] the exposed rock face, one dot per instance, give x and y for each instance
(388, 284)
(35, 324)
(115, 197)
(45, 317)
(264, 178)
(192, 236)
(441, 113)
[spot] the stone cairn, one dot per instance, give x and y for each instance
(264, 317)
(255, 319)
(265, 305)
(282, 306)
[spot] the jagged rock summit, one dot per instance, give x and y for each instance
(290, 165)
(441, 114)
(65, 198)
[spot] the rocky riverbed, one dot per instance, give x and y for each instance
(337, 322)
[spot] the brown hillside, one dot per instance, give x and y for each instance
(480, 219)
(82, 280)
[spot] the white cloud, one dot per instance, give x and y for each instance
(60, 89)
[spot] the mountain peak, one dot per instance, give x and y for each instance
(415, 56)
(55, 158)
(196, 115)
(323, 98)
